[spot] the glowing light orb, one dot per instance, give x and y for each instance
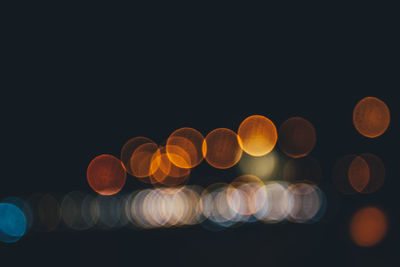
(190, 141)
(12, 223)
(258, 135)
(221, 148)
(371, 117)
(141, 160)
(368, 226)
(130, 147)
(106, 175)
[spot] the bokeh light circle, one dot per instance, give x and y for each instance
(12, 223)
(297, 137)
(368, 226)
(141, 160)
(190, 141)
(371, 117)
(130, 147)
(106, 175)
(221, 148)
(258, 135)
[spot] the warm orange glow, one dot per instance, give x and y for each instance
(297, 137)
(130, 147)
(377, 173)
(371, 117)
(106, 175)
(258, 135)
(179, 156)
(368, 226)
(190, 142)
(359, 174)
(166, 173)
(141, 160)
(160, 167)
(221, 148)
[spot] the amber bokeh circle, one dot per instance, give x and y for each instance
(297, 137)
(368, 226)
(190, 142)
(141, 160)
(258, 135)
(106, 175)
(129, 147)
(221, 148)
(371, 117)
(164, 172)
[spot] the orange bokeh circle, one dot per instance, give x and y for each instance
(258, 135)
(368, 226)
(164, 172)
(106, 175)
(141, 160)
(371, 117)
(129, 147)
(221, 148)
(297, 137)
(190, 142)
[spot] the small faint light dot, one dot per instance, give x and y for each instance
(297, 137)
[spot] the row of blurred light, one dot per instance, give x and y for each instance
(246, 199)
(185, 148)
(222, 148)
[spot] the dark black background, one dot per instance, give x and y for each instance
(77, 82)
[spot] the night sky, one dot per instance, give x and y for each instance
(77, 85)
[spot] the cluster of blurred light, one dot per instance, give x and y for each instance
(170, 164)
(246, 199)
(365, 173)
(254, 196)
